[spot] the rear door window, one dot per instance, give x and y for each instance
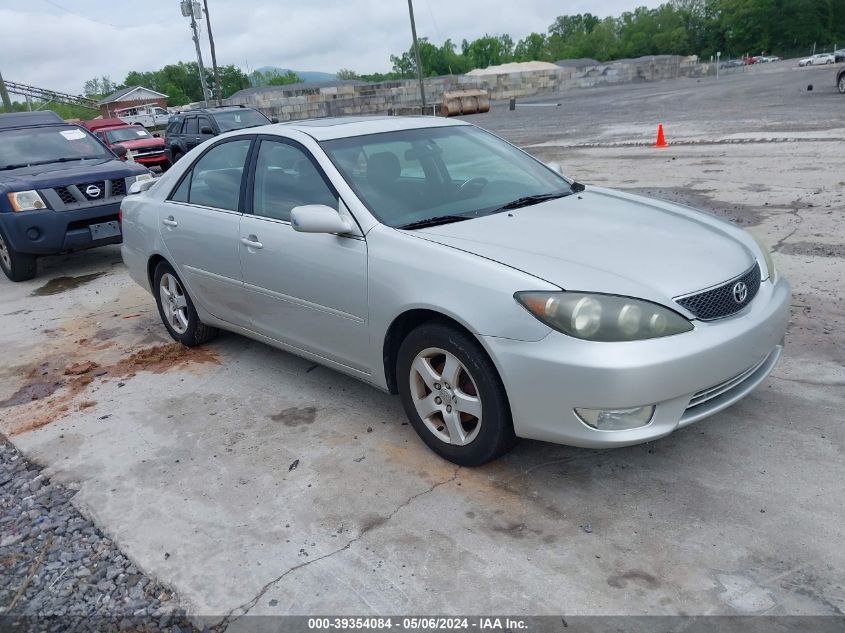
(215, 179)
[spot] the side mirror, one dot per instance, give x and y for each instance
(319, 218)
(274, 120)
(206, 130)
(555, 167)
(141, 186)
(120, 150)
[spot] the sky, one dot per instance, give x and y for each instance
(59, 44)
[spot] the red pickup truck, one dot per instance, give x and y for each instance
(147, 149)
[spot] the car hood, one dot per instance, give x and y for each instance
(142, 143)
(58, 174)
(609, 242)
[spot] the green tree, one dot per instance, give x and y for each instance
(534, 47)
(346, 74)
(98, 87)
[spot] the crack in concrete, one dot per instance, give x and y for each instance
(777, 245)
(247, 606)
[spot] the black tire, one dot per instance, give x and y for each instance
(841, 84)
(176, 154)
(16, 266)
(495, 437)
(165, 166)
(196, 332)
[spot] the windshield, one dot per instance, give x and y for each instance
(412, 175)
(27, 146)
(237, 119)
(131, 133)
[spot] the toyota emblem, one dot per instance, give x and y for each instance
(740, 292)
(92, 191)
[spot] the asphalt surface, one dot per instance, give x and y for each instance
(191, 476)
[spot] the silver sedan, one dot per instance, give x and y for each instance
(434, 260)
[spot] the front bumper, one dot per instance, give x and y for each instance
(688, 376)
(49, 232)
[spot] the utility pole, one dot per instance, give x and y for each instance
(213, 56)
(190, 10)
(417, 54)
(4, 95)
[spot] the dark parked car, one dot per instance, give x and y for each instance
(188, 129)
(60, 190)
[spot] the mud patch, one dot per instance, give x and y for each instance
(67, 381)
(746, 214)
(161, 358)
(296, 416)
(812, 249)
(61, 284)
(30, 392)
(633, 575)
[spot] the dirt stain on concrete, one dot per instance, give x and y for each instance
(61, 284)
(62, 381)
(296, 416)
(633, 575)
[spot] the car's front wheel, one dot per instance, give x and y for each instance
(16, 266)
(453, 395)
(842, 84)
(177, 310)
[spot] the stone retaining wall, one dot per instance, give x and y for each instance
(356, 98)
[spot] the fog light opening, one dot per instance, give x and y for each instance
(616, 419)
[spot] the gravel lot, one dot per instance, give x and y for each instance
(183, 460)
(59, 572)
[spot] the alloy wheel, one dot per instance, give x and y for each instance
(445, 396)
(5, 256)
(174, 303)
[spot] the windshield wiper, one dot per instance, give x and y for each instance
(437, 221)
(526, 201)
(64, 159)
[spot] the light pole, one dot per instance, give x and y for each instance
(417, 54)
(191, 10)
(213, 55)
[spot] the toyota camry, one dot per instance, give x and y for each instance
(497, 297)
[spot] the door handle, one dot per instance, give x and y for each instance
(169, 221)
(251, 242)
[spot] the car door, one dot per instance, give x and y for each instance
(206, 129)
(199, 225)
(191, 133)
(305, 289)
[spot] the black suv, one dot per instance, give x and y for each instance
(60, 190)
(188, 129)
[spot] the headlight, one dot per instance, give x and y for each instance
(595, 317)
(771, 271)
(26, 201)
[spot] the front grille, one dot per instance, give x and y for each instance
(724, 300)
(93, 190)
(65, 195)
(97, 191)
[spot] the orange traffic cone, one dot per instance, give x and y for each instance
(661, 140)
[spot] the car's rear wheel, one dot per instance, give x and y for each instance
(16, 266)
(177, 310)
(842, 84)
(453, 395)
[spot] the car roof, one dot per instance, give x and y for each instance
(213, 110)
(343, 127)
(29, 119)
